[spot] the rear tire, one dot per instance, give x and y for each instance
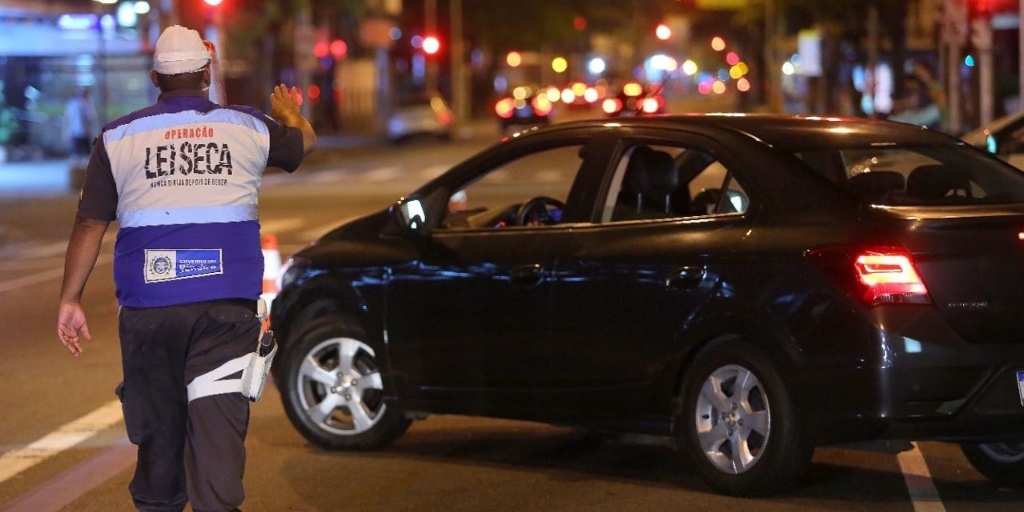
(740, 424)
(333, 392)
(1002, 463)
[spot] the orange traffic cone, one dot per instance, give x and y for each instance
(271, 268)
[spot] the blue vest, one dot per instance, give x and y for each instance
(187, 173)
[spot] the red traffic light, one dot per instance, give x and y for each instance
(989, 7)
(431, 45)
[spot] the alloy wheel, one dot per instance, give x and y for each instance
(340, 386)
(733, 419)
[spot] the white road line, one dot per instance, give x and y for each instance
(386, 173)
(39, 277)
(279, 225)
(71, 485)
(33, 250)
(920, 485)
(429, 173)
(67, 436)
(31, 279)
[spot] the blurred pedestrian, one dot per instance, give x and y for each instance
(81, 123)
(915, 106)
(933, 88)
(182, 179)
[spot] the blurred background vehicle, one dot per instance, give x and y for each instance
(634, 99)
(580, 95)
(1003, 137)
(425, 114)
(526, 107)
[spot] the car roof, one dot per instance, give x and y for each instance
(978, 135)
(796, 132)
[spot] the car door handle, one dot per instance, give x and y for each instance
(527, 275)
(686, 278)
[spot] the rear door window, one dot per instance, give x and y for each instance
(662, 181)
(933, 175)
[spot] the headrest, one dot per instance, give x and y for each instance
(868, 184)
(936, 180)
(661, 171)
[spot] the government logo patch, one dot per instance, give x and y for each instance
(174, 264)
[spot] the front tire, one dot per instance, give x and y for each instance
(333, 392)
(1002, 463)
(740, 424)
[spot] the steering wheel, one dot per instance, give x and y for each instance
(539, 209)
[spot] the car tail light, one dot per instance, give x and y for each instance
(504, 108)
(611, 105)
(877, 275)
(541, 105)
(632, 89)
(649, 105)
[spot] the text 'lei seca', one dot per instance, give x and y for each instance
(186, 153)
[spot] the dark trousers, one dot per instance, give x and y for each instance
(188, 452)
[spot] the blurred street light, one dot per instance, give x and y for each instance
(559, 64)
(663, 32)
(514, 59)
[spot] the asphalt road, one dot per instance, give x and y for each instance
(63, 445)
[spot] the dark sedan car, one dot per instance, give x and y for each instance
(633, 99)
(526, 107)
(750, 286)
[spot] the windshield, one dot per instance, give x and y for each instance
(925, 175)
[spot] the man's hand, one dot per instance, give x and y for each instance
(70, 323)
(284, 106)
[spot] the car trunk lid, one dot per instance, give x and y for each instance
(971, 259)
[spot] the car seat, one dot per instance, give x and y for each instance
(648, 185)
(936, 181)
(875, 186)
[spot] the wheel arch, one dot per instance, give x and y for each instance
(768, 337)
(316, 298)
(744, 341)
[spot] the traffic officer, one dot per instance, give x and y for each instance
(182, 179)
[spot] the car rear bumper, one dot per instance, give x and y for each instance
(921, 381)
(991, 412)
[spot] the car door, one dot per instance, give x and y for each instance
(469, 322)
(637, 276)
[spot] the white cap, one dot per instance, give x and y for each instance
(179, 50)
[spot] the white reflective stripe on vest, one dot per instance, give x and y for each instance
(211, 383)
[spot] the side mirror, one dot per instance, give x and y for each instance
(409, 213)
